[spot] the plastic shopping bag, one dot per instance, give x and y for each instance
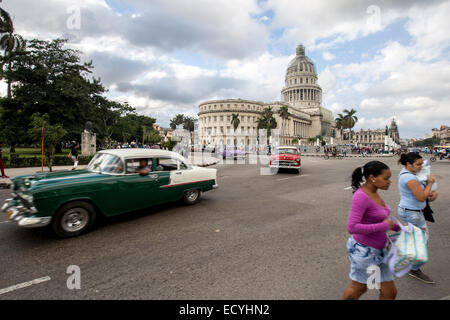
(408, 249)
(423, 174)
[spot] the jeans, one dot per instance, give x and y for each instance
(362, 257)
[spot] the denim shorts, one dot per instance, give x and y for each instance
(415, 218)
(362, 257)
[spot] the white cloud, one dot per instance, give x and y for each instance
(227, 50)
(328, 56)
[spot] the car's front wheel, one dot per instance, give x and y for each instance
(73, 219)
(191, 196)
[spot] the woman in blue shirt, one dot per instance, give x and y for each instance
(413, 199)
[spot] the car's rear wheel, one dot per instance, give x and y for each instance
(191, 196)
(73, 219)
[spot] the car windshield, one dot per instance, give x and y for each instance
(287, 151)
(105, 163)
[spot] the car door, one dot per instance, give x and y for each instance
(180, 178)
(137, 191)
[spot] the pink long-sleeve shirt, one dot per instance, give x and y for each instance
(365, 222)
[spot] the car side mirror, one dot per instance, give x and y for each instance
(130, 170)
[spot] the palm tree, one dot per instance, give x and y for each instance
(284, 115)
(189, 125)
(340, 121)
(267, 121)
(235, 123)
(12, 44)
(177, 120)
(350, 121)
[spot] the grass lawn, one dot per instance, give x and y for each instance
(31, 152)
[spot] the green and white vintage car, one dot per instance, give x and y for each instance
(70, 201)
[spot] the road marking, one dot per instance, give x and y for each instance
(5, 221)
(303, 175)
(348, 188)
(24, 285)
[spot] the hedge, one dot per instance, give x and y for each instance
(21, 162)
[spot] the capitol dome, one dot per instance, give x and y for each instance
(301, 64)
(301, 88)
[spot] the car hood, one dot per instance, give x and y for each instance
(47, 180)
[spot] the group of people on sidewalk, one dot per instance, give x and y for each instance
(369, 220)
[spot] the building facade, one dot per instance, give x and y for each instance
(164, 133)
(443, 133)
(301, 95)
(376, 138)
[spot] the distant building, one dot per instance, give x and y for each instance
(443, 133)
(165, 133)
(376, 138)
(407, 142)
(301, 95)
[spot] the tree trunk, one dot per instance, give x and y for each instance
(9, 81)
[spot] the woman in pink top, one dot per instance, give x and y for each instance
(367, 223)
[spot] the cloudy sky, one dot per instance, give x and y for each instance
(383, 58)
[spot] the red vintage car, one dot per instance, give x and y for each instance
(285, 157)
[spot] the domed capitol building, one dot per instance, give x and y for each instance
(301, 95)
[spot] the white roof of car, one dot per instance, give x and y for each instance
(143, 153)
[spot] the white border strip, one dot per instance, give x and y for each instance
(24, 285)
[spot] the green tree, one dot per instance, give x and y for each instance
(53, 135)
(11, 43)
(152, 136)
(340, 123)
(52, 80)
(284, 115)
(12, 120)
(169, 144)
(349, 121)
(189, 125)
(130, 127)
(267, 121)
(177, 120)
(107, 117)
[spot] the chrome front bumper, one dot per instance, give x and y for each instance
(23, 216)
(284, 167)
(215, 186)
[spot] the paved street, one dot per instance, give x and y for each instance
(256, 237)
